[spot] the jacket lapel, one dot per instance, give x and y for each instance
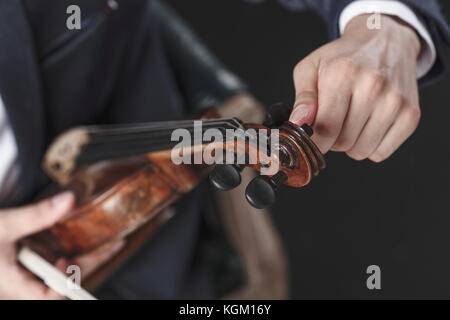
(20, 89)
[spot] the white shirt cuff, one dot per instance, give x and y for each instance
(427, 56)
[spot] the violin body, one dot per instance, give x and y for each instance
(114, 198)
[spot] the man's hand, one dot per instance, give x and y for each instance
(360, 91)
(16, 282)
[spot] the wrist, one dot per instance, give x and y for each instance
(389, 27)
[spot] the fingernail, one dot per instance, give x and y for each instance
(300, 113)
(62, 200)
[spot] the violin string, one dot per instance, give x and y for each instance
(166, 125)
(126, 134)
(152, 144)
(131, 147)
(154, 137)
(97, 138)
(109, 151)
(120, 142)
(120, 128)
(151, 125)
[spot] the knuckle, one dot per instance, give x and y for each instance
(345, 66)
(374, 82)
(413, 115)
(391, 110)
(339, 70)
(394, 99)
(300, 67)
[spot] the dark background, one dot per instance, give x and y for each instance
(394, 214)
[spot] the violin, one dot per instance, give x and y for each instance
(124, 175)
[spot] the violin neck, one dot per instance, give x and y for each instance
(116, 141)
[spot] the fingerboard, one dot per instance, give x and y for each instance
(115, 141)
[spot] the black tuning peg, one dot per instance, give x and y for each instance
(307, 129)
(226, 176)
(276, 115)
(261, 191)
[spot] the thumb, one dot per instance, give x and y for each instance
(306, 95)
(21, 222)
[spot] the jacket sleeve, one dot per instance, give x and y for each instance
(428, 11)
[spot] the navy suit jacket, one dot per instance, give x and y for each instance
(115, 70)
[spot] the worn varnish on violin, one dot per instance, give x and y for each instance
(123, 177)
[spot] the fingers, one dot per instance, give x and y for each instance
(335, 94)
(306, 97)
(381, 119)
(402, 129)
(366, 94)
(33, 289)
(25, 286)
(20, 222)
(359, 112)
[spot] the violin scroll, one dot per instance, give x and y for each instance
(296, 156)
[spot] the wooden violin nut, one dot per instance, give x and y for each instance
(60, 159)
